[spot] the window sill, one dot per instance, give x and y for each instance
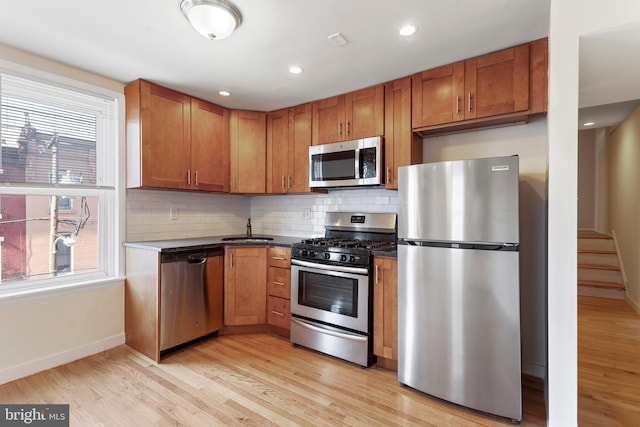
(36, 292)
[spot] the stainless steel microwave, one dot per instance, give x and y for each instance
(346, 164)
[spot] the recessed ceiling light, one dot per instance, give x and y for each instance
(408, 30)
(224, 93)
(589, 124)
(295, 69)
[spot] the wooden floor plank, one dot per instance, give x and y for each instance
(608, 363)
(253, 379)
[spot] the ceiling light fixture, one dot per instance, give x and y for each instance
(295, 69)
(224, 93)
(213, 19)
(589, 124)
(408, 30)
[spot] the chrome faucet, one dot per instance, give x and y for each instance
(249, 228)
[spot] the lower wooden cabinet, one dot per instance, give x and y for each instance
(385, 310)
(279, 288)
(279, 312)
(245, 297)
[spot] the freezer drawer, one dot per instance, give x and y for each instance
(459, 326)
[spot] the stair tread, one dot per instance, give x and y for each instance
(599, 267)
(596, 251)
(593, 235)
(600, 284)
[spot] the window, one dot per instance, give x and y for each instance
(59, 200)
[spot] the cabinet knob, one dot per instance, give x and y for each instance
(196, 178)
(189, 176)
(347, 128)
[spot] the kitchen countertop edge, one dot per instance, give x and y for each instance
(210, 242)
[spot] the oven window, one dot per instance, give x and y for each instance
(328, 293)
(333, 166)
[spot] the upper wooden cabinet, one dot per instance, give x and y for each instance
(248, 152)
(288, 141)
(175, 141)
(354, 115)
(401, 146)
(502, 85)
(209, 146)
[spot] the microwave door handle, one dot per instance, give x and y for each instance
(357, 164)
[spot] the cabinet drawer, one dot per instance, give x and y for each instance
(280, 257)
(278, 312)
(279, 284)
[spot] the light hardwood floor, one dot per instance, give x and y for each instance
(256, 379)
(608, 363)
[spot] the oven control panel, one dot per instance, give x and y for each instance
(330, 256)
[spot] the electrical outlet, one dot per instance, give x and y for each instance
(173, 214)
(306, 213)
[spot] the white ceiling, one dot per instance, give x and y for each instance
(125, 40)
(609, 75)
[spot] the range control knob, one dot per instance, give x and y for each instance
(352, 258)
(327, 255)
(343, 258)
(312, 254)
(304, 252)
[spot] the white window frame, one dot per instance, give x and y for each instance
(111, 210)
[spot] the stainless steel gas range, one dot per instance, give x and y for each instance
(332, 285)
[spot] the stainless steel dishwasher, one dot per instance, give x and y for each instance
(191, 286)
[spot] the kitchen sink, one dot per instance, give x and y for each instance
(247, 239)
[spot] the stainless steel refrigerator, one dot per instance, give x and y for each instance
(458, 283)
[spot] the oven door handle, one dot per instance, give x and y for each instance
(343, 335)
(338, 268)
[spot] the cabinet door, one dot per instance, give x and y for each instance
(245, 286)
(328, 122)
(385, 311)
(214, 279)
(364, 111)
(497, 83)
(209, 147)
(278, 151)
(402, 147)
(248, 152)
(299, 142)
(166, 136)
(438, 95)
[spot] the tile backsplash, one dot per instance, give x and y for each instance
(149, 212)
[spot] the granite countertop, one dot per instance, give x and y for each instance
(389, 253)
(211, 241)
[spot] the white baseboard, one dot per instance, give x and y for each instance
(534, 370)
(31, 367)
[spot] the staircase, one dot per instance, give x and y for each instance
(599, 272)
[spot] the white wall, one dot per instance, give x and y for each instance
(569, 19)
(46, 330)
(623, 148)
(587, 179)
(529, 142)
